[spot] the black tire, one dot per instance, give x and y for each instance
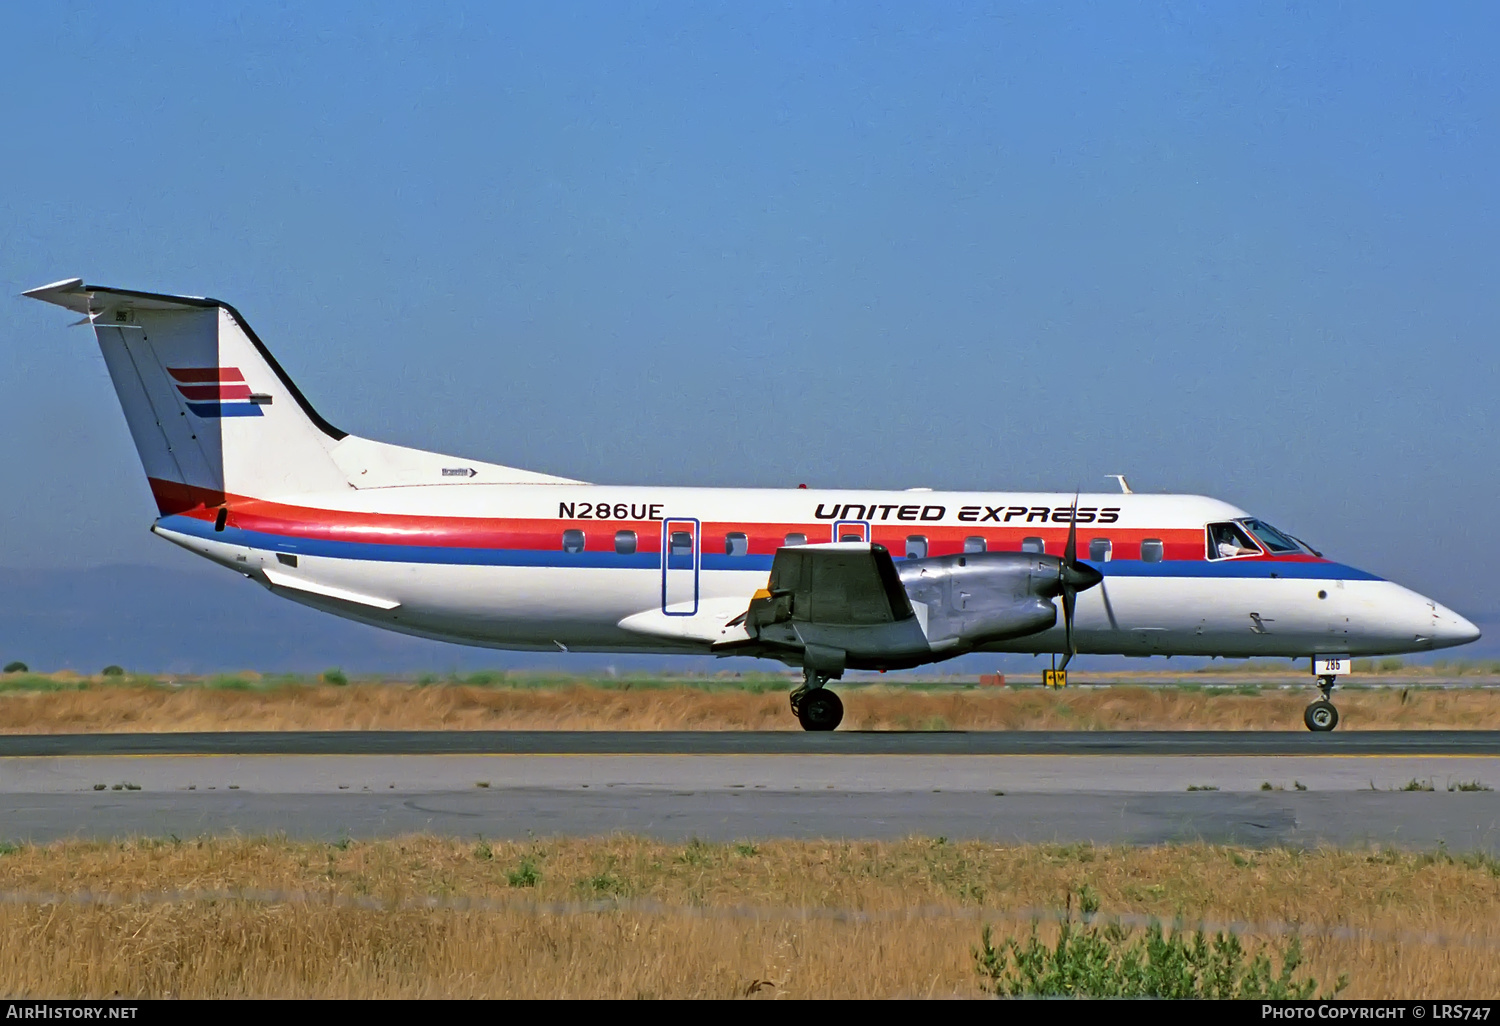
(820, 710)
(1321, 716)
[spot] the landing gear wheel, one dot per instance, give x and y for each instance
(820, 710)
(1321, 716)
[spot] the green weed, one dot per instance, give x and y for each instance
(1110, 962)
(525, 875)
(697, 854)
(606, 883)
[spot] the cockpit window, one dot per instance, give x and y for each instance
(1271, 538)
(1228, 540)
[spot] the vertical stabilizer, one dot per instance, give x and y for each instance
(211, 412)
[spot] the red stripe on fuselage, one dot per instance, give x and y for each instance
(264, 516)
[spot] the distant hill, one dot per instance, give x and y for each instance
(164, 620)
(158, 619)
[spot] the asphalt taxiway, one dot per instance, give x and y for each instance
(1409, 789)
(788, 742)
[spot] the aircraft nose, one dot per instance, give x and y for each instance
(1449, 629)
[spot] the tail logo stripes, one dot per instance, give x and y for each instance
(212, 392)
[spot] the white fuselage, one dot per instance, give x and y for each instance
(246, 472)
(553, 567)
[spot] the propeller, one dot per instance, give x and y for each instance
(1074, 577)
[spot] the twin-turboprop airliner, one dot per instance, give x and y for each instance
(246, 473)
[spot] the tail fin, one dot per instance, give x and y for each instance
(209, 408)
(214, 417)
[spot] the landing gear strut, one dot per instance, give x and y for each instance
(1321, 715)
(815, 707)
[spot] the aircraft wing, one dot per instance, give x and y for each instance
(841, 583)
(829, 606)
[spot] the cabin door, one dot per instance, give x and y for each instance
(681, 561)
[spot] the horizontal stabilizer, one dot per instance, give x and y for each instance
(73, 294)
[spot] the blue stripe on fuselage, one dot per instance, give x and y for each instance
(1254, 569)
(439, 554)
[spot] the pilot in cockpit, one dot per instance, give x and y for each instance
(1228, 541)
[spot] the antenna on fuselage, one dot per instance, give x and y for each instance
(1124, 485)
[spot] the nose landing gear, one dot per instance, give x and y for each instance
(815, 707)
(1321, 715)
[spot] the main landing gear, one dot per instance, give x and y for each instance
(1321, 715)
(815, 707)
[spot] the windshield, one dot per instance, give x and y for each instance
(1272, 539)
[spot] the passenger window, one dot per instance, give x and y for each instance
(975, 544)
(572, 541)
(1033, 545)
(1100, 549)
(736, 544)
(795, 539)
(681, 543)
(916, 546)
(1226, 541)
(1152, 550)
(625, 542)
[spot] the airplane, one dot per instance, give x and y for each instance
(247, 474)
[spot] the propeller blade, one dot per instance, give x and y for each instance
(1070, 552)
(1073, 574)
(1069, 597)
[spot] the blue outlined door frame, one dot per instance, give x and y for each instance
(843, 527)
(673, 587)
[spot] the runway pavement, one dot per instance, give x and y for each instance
(789, 742)
(1138, 788)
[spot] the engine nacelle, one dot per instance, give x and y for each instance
(981, 597)
(853, 607)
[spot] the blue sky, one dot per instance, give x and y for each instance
(1243, 250)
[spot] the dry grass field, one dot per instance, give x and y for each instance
(421, 917)
(62, 704)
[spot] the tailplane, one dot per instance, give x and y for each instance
(215, 417)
